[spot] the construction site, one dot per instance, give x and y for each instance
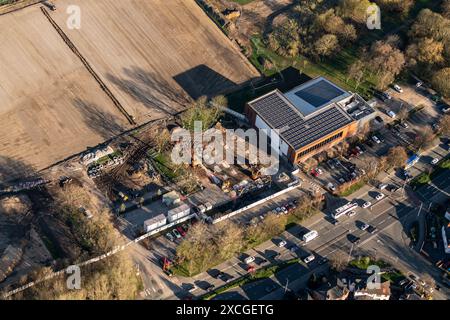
(65, 90)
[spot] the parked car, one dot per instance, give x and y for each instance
(210, 287)
(386, 96)
(382, 186)
(176, 233)
(224, 277)
(366, 204)
(281, 244)
(190, 287)
(169, 236)
(379, 119)
(434, 161)
(181, 231)
(372, 229)
(354, 239)
(309, 259)
(379, 196)
(392, 188)
(323, 260)
(404, 124)
(364, 226)
(331, 187)
(376, 140)
(391, 114)
(249, 259)
(398, 88)
(260, 261)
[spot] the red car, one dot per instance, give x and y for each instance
(314, 173)
(250, 269)
(181, 231)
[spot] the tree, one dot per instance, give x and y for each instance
(326, 45)
(200, 110)
(228, 238)
(196, 250)
(285, 39)
(384, 58)
(424, 138)
(356, 72)
(429, 24)
(445, 125)
(387, 61)
(400, 6)
(446, 8)
(441, 81)
(338, 262)
(162, 139)
(426, 50)
(220, 101)
(397, 157)
(354, 9)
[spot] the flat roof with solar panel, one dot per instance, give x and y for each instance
(304, 114)
(315, 95)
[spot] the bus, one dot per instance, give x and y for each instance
(349, 206)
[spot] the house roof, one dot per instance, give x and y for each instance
(297, 129)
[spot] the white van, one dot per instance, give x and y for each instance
(310, 235)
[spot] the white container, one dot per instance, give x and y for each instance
(178, 212)
(155, 222)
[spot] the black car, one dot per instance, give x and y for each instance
(392, 188)
(379, 119)
(214, 273)
(354, 239)
(372, 229)
(210, 287)
(260, 261)
(323, 261)
(225, 277)
(369, 143)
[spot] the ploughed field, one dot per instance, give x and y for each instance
(154, 56)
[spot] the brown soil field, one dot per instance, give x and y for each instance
(152, 55)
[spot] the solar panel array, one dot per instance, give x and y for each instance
(299, 132)
(319, 93)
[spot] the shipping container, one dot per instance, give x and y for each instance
(155, 222)
(178, 212)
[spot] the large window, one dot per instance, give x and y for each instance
(321, 144)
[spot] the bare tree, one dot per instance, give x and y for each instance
(396, 157)
(424, 138)
(338, 262)
(445, 125)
